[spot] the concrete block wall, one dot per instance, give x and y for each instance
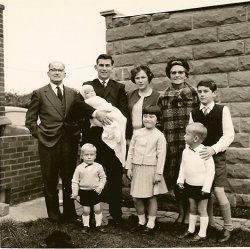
(1, 62)
(20, 171)
(216, 42)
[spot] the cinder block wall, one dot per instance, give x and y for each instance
(20, 169)
(1, 62)
(216, 43)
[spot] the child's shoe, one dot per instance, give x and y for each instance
(149, 231)
(101, 229)
(186, 235)
(85, 229)
(197, 238)
(138, 228)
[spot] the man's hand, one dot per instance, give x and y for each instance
(129, 174)
(157, 178)
(98, 190)
(207, 152)
(103, 118)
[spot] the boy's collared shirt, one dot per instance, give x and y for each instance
(196, 171)
(227, 127)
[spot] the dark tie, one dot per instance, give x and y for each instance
(104, 83)
(59, 93)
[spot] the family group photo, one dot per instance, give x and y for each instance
(150, 149)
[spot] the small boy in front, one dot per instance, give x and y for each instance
(217, 119)
(88, 182)
(195, 178)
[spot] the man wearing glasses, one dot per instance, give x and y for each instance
(58, 137)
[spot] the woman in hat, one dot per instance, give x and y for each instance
(143, 96)
(176, 104)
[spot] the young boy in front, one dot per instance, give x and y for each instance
(195, 178)
(88, 182)
(217, 119)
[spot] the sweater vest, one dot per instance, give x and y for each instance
(212, 121)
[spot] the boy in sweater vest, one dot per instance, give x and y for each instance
(217, 119)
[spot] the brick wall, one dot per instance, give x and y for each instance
(20, 168)
(216, 43)
(1, 62)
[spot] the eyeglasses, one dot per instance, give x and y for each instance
(54, 70)
(179, 72)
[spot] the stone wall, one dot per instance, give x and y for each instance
(216, 43)
(20, 174)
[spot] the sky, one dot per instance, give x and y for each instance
(37, 32)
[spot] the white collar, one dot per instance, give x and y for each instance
(106, 81)
(197, 149)
(54, 86)
(210, 106)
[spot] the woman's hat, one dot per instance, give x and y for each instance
(179, 62)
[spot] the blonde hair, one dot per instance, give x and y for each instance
(88, 146)
(83, 90)
(198, 129)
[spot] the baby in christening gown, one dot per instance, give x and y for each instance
(114, 134)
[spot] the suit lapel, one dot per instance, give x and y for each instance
(53, 99)
(99, 89)
(108, 88)
(69, 98)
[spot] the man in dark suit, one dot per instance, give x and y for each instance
(114, 93)
(58, 136)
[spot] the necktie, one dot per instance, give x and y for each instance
(205, 111)
(59, 93)
(104, 83)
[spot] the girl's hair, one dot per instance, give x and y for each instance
(208, 83)
(179, 62)
(139, 68)
(198, 129)
(88, 146)
(152, 109)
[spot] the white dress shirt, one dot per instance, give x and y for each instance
(196, 171)
(227, 128)
(54, 88)
(104, 84)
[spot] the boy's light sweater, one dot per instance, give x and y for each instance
(88, 177)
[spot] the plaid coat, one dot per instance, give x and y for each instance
(176, 106)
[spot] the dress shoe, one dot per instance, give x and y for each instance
(138, 228)
(226, 235)
(101, 229)
(186, 235)
(212, 230)
(149, 231)
(197, 238)
(85, 230)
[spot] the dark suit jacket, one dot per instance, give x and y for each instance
(53, 122)
(113, 93)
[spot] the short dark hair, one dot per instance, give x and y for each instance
(152, 109)
(139, 68)
(105, 57)
(175, 62)
(208, 83)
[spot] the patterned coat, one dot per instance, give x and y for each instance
(176, 106)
